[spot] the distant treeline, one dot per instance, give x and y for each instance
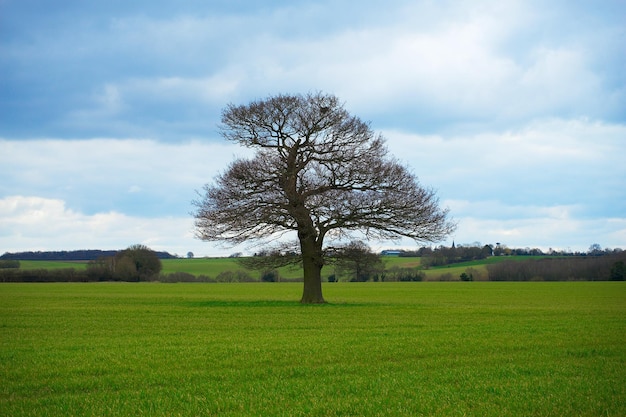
(94, 275)
(134, 264)
(75, 255)
(442, 255)
(577, 268)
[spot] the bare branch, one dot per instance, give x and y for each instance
(317, 170)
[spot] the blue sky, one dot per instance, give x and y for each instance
(514, 111)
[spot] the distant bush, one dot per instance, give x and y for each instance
(205, 278)
(618, 271)
(270, 276)
(43, 275)
(446, 277)
(397, 273)
(177, 277)
(9, 264)
(476, 273)
(100, 271)
(137, 263)
(234, 276)
(467, 277)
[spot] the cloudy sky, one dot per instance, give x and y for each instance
(514, 111)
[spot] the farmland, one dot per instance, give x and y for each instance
(377, 349)
(214, 266)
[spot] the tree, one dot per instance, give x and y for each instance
(137, 262)
(272, 258)
(319, 172)
(595, 249)
(467, 277)
(357, 261)
(125, 269)
(618, 271)
(101, 269)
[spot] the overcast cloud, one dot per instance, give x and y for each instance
(514, 111)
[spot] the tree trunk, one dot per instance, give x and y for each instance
(312, 262)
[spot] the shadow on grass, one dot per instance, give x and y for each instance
(268, 303)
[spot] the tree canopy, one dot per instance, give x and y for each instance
(319, 172)
(356, 261)
(135, 263)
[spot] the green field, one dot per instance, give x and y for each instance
(212, 267)
(377, 349)
(52, 265)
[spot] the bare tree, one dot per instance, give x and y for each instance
(317, 171)
(357, 261)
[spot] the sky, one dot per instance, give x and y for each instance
(513, 111)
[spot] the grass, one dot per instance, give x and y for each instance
(401, 262)
(200, 266)
(378, 349)
(52, 265)
(214, 266)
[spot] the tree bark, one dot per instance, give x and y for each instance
(312, 263)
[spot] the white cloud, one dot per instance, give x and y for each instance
(551, 163)
(498, 210)
(107, 174)
(429, 66)
(456, 69)
(209, 89)
(35, 223)
(545, 232)
(110, 99)
(552, 183)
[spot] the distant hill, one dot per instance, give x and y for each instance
(75, 255)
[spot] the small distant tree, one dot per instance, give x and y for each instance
(272, 258)
(467, 277)
(501, 250)
(125, 269)
(618, 271)
(270, 276)
(189, 255)
(142, 259)
(357, 261)
(101, 269)
(595, 249)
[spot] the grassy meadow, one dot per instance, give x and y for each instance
(377, 349)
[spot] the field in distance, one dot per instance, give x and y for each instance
(377, 349)
(214, 266)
